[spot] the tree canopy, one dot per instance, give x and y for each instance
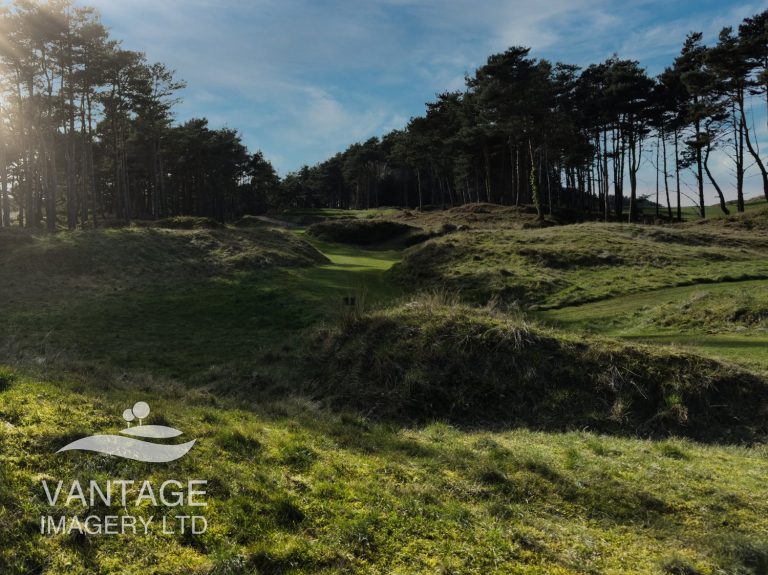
(88, 134)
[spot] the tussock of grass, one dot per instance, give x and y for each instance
(426, 360)
(714, 312)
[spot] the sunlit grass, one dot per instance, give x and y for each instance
(669, 316)
(295, 490)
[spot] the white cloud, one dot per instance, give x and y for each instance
(666, 38)
(304, 79)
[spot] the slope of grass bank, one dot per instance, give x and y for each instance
(364, 232)
(95, 261)
(428, 359)
(567, 265)
(309, 216)
(179, 302)
(713, 212)
(294, 490)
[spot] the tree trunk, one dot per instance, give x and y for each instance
(751, 148)
(52, 193)
(71, 157)
(6, 206)
(677, 177)
(738, 144)
(487, 159)
(666, 175)
(418, 182)
(534, 183)
(606, 188)
(633, 167)
(699, 166)
(658, 158)
(723, 206)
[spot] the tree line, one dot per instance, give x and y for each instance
(527, 131)
(87, 134)
(87, 131)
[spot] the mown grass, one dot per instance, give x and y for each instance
(725, 321)
(691, 213)
(293, 490)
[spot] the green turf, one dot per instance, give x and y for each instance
(191, 320)
(665, 317)
(714, 211)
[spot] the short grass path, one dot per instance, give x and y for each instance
(623, 317)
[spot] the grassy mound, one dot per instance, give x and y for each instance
(105, 256)
(426, 360)
(309, 216)
(477, 215)
(754, 219)
(364, 232)
(715, 312)
(148, 298)
(566, 265)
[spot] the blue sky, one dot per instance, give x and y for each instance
(303, 79)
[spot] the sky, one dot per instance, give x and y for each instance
(304, 79)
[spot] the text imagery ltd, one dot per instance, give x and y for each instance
(170, 494)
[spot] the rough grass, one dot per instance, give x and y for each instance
(714, 213)
(716, 312)
(309, 216)
(188, 223)
(294, 490)
(118, 259)
(566, 265)
(430, 360)
(477, 216)
(127, 251)
(754, 219)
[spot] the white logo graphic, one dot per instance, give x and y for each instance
(130, 448)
